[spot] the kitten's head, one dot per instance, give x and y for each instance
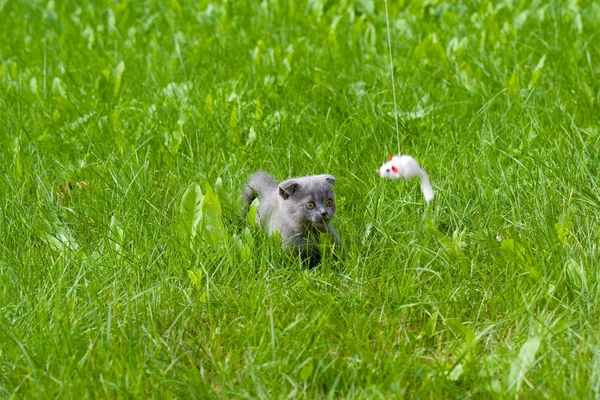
(309, 200)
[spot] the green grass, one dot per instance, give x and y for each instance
(491, 291)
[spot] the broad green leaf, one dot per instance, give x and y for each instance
(541, 12)
(196, 278)
(453, 247)
(523, 363)
(175, 6)
(115, 234)
(258, 112)
(578, 24)
(251, 136)
(589, 94)
(562, 227)
(366, 6)
(14, 70)
(88, 33)
(430, 50)
(307, 371)
(496, 386)
(233, 118)
(276, 239)
(16, 150)
(248, 238)
(461, 330)
(103, 86)
(431, 324)
(466, 77)
(58, 88)
(174, 137)
(223, 194)
(177, 91)
(456, 48)
(512, 84)
(521, 19)
(576, 274)
(246, 253)
(456, 373)
(118, 74)
(517, 253)
(33, 86)
(214, 230)
(464, 332)
(219, 185)
(537, 72)
(242, 248)
(110, 20)
(190, 210)
(62, 240)
(209, 107)
(252, 210)
(256, 52)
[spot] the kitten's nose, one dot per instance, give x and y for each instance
(324, 213)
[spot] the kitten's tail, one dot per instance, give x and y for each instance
(259, 184)
(426, 186)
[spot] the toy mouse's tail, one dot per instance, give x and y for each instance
(426, 186)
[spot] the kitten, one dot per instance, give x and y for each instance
(300, 209)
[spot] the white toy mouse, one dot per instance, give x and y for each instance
(406, 167)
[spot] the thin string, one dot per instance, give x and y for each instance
(387, 20)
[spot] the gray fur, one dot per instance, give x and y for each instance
(283, 208)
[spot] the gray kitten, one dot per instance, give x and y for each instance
(300, 209)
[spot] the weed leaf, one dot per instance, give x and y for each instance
(456, 373)
(307, 371)
(222, 192)
(562, 227)
(431, 324)
(214, 230)
(258, 112)
(252, 210)
(209, 106)
(537, 73)
(453, 247)
(523, 363)
(196, 278)
(464, 332)
(512, 84)
(576, 274)
(117, 78)
(517, 253)
(62, 240)
(190, 209)
(115, 234)
(242, 248)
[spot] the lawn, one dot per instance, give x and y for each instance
(128, 129)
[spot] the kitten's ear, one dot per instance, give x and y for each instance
(288, 188)
(330, 178)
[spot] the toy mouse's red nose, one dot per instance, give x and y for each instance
(379, 171)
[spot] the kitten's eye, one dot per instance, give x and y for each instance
(329, 203)
(310, 206)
